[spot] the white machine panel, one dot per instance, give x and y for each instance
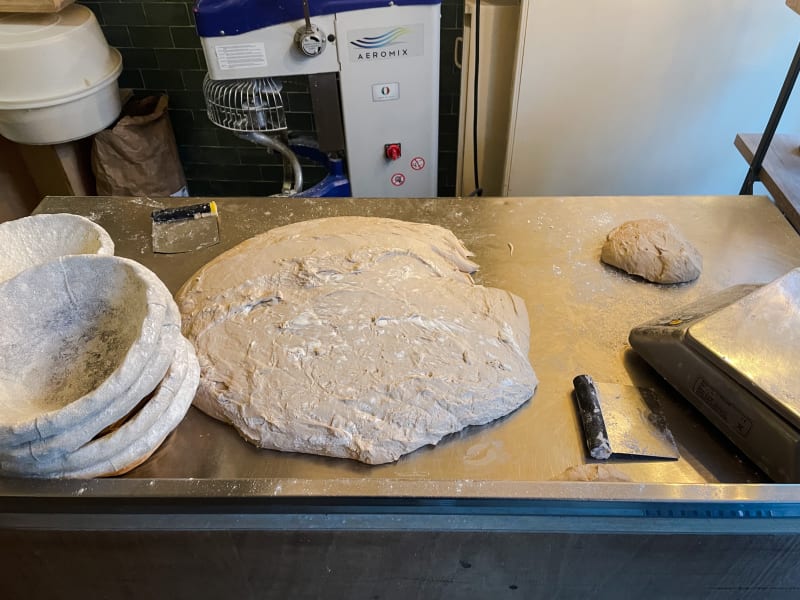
(390, 96)
(268, 52)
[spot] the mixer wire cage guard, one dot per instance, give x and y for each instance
(245, 105)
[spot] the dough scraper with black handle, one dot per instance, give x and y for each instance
(622, 420)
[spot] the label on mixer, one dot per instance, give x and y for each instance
(241, 56)
(386, 43)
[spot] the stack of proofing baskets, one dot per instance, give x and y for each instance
(94, 371)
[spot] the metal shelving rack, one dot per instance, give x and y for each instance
(775, 160)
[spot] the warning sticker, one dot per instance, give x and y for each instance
(418, 163)
(241, 56)
(398, 179)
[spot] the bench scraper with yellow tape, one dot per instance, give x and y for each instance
(185, 228)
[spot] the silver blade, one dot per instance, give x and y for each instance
(634, 422)
(187, 235)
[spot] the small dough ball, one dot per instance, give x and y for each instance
(652, 249)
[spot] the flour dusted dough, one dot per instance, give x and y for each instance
(652, 249)
(354, 337)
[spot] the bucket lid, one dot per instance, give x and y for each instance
(17, 29)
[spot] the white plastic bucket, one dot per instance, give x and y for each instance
(59, 77)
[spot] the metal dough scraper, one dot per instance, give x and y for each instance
(185, 228)
(622, 420)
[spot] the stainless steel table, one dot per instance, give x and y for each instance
(500, 479)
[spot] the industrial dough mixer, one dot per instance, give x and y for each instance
(373, 68)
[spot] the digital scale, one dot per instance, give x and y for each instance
(735, 355)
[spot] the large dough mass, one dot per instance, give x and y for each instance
(654, 250)
(354, 337)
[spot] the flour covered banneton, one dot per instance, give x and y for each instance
(354, 337)
(37, 239)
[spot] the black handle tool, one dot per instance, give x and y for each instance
(594, 427)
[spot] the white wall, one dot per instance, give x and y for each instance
(645, 96)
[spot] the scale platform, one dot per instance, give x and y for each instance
(735, 356)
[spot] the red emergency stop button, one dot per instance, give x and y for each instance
(392, 151)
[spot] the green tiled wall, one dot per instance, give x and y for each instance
(161, 53)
